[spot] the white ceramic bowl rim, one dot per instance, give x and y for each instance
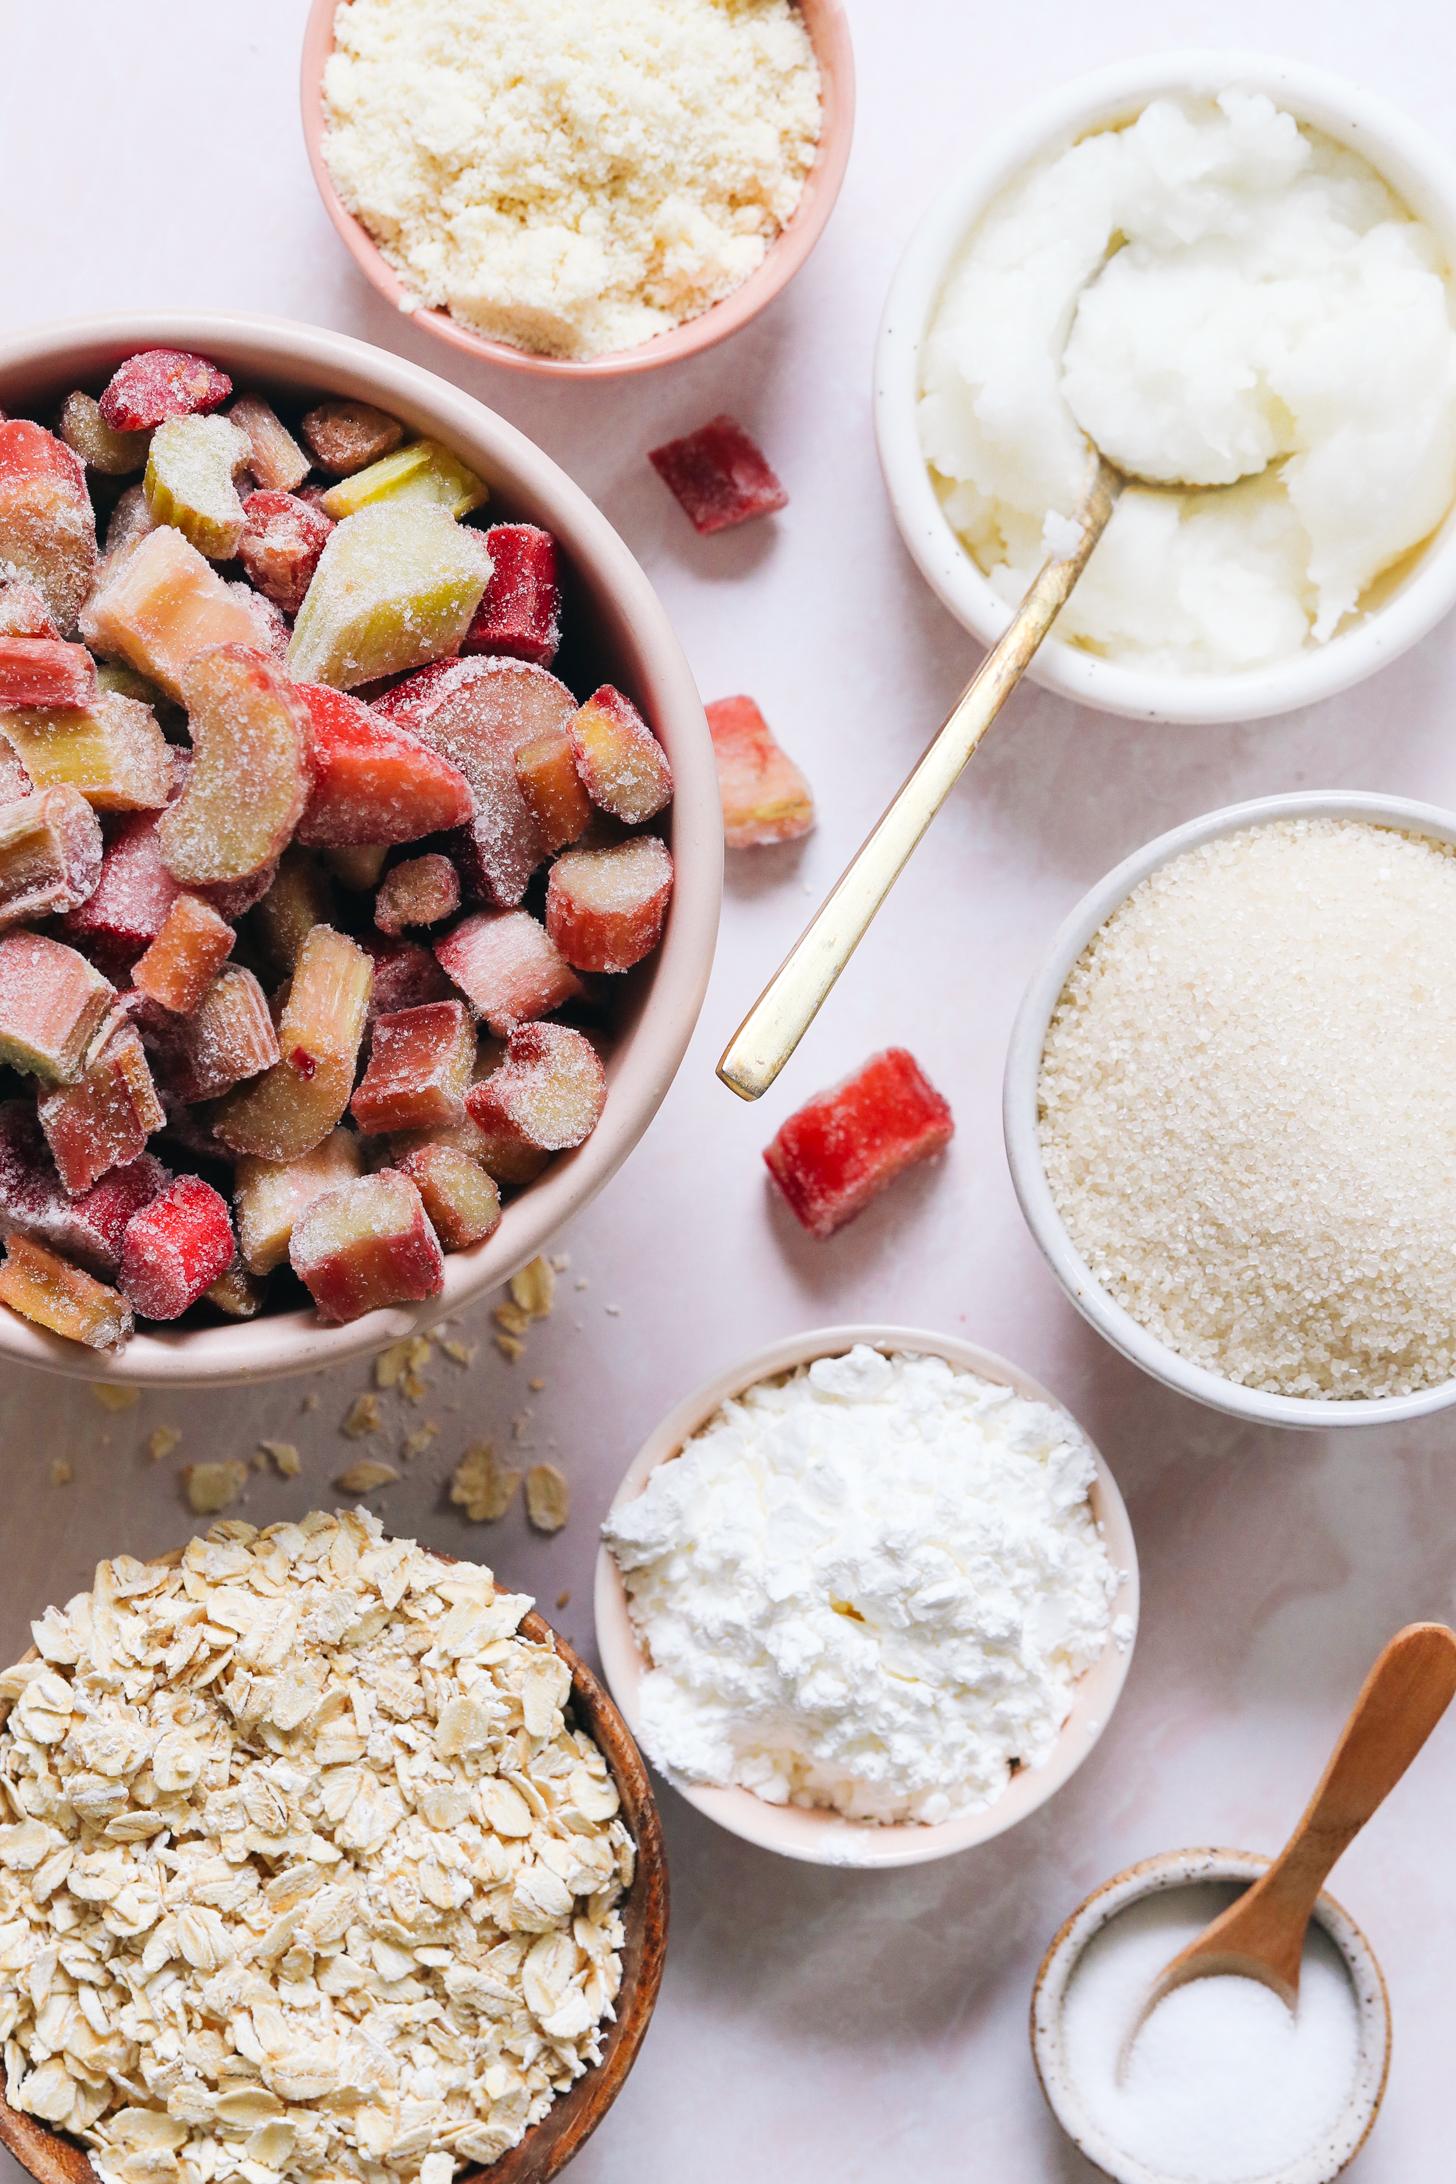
(1192, 1868)
(1421, 173)
(821, 1837)
(1023, 1143)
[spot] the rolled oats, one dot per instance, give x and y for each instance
(548, 1498)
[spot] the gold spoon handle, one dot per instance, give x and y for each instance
(795, 994)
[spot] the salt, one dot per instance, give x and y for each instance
(1223, 2084)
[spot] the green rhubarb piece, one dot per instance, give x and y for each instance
(395, 588)
(424, 470)
(191, 466)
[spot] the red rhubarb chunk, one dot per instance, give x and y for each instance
(548, 1093)
(461, 1199)
(102, 1121)
(605, 907)
(186, 956)
(406, 975)
(841, 1149)
(99, 1216)
(52, 1004)
(366, 1245)
(551, 785)
(33, 1201)
(129, 904)
(283, 537)
(45, 671)
(719, 476)
(419, 1067)
(765, 796)
(23, 610)
(374, 781)
(508, 968)
(421, 891)
(157, 384)
(519, 614)
(619, 759)
(174, 1249)
(47, 528)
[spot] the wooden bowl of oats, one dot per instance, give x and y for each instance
(282, 1650)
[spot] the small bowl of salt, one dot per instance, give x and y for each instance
(1222, 2084)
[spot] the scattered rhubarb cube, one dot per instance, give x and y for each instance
(111, 750)
(374, 782)
(159, 605)
(406, 974)
(299, 899)
(98, 1218)
(765, 796)
(229, 1039)
(274, 456)
(508, 968)
(47, 528)
(419, 1068)
(54, 1294)
(344, 436)
(174, 1249)
(249, 732)
(45, 671)
(126, 909)
(270, 1195)
(186, 956)
(160, 383)
(553, 789)
(87, 434)
(23, 609)
(281, 541)
(841, 1149)
(478, 713)
(328, 1003)
(50, 855)
(549, 1091)
(520, 611)
(719, 476)
(52, 1004)
(619, 759)
(424, 470)
(605, 907)
(191, 467)
(395, 587)
(237, 1294)
(365, 1245)
(104, 1119)
(421, 891)
(461, 1200)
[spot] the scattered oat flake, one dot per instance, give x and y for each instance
(403, 1364)
(510, 1347)
(162, 1441)
(366, 1477)
(415, 1444)
(111, 1397)
(548, 1498)
(61, 1472)
(213, 1487)
(534, 1289)
(512, 1317)
(363, 1416)
(310, 1401)
(284, 1457)
(482, 1486)
(560, 1262)
(563, 1600)
(536, 1386)
(458, 1352)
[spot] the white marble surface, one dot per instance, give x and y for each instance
(826, 2026)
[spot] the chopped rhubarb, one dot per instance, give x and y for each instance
(719, 476)
(191, 468)
(619, 759)
(421, 891)
(250, 772)
(274, 456)
(237, 1294)
(605, 907)
(281, 541)
(270, 624)
(374, 782)
(406, 974)
(23, 609)
(52, 1293)
(45, 671)
(50, 855)
(419, 1068)
(104, 1119)
(765, 796)
(157, 384)
(52, 1004)
(47, 528)
(270, 1195)
(553, 789)
(460, 1198)
(186, 956)
(323, 1021)
(160, 604)
(87, 434)
(344, 436)
(842, 1148)
(129, 520)
(111, 750)
(508, 968)
(366, 1245)
(396, 586)
(499, 1152)
(228, 1040)
(358, 866)
(423, 470)
(299, 898)
(174, 1249)
(519, 614)
(97, 1219)
(15, 782)
(547, 1094)
(126, 908)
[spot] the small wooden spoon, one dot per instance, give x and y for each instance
(1261, 1935)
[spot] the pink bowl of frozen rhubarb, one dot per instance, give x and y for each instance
(360, 849)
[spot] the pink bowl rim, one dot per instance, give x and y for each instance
(647, 1059)
(820, 1837)
(828, 28)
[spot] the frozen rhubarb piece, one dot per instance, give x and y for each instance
(52, 1004)
(174, 1249)
(104, 1119)
(125, 910)
(237, 1294)
(365, 1245)
(605, 907)
(373, 781)
(44, 1288)
(620, 760)
(186, 956)
(129, 520)
(549, 1091)
(293, 1106)
(47, 527)
(299, 899)
(15, 782)
(719, 476)
(156, 384)
(97, 1219)
(765, 796)
(479, 713)
(270, 1195)
(111, 750)
(508, 968)
(271, 632)
(424, 470)
(159, 605)
(499, 1152)
(419, 1068)
(191, 468)
(233, 899)
(343, 436)
(519, 614)
(322, 1024)
(421, 891)
(114, 680)
(250, 769)
(34, 1203)
(461, 1200)
(840, 1150)
(50, 855)
(274, 456)
(23, 609)
(406, 974)
(87, 434)
(359, 866)
(229, 1039)
(45, 671)
(281, 541)
(395, 587)
(553, 789)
